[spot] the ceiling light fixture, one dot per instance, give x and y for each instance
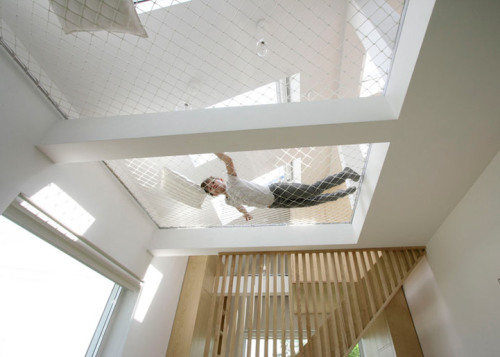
(261, 46)
(184, 105)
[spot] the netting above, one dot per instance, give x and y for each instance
(168, 187)
(203, 54)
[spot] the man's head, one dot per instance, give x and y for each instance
(214, 186)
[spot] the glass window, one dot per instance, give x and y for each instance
(50, 303)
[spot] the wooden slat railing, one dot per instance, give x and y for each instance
(302, 304)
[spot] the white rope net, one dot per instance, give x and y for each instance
(168, 187)
(203, 54)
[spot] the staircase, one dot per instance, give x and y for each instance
(324, 300)
(361, 301)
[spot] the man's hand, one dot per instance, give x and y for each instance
(228, 162)
(245, 213)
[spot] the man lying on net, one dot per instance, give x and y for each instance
(240, 192)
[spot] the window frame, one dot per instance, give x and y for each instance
(45, 227)
(82, 250)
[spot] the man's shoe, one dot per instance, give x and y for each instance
(351, 174)
(350, 190)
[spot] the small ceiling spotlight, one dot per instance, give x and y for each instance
(262, 48)
(191, 89)
(183, 107)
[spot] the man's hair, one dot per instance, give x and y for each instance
(204, 184)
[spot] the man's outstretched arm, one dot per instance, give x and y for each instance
(232, 171)
(228, 162)
(243, 210)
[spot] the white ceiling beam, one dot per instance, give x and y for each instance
(171, 242)
(335, 122)
(415, 22)
(343, 121)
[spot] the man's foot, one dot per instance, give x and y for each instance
(351, 174)
(350, 190)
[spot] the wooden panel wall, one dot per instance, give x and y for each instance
(313, 303)
(404, 335)
(393, 333)
(188, 334)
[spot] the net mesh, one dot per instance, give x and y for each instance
(203, 54)
(168, 188)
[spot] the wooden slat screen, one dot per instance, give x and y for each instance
(301, 303)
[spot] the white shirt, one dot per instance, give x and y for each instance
(240, 192)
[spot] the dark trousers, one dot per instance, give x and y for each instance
(295, 195)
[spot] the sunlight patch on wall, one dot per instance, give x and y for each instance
(63, 208)
(152, 281)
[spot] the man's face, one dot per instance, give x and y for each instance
(216, 187)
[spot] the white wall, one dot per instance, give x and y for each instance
(456, 303)
(150, 336)
(25, 117)
(432, 318)
(121, 228)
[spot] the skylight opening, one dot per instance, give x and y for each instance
(377, 33)
(266, 94)
(202, 159)
(373, 81)
(143, 6)
(281, 91)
